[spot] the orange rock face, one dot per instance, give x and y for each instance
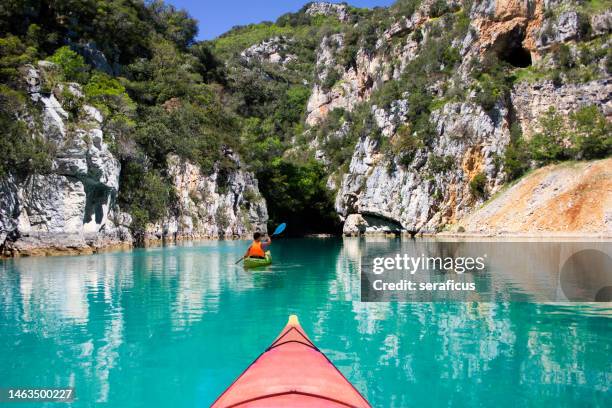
(570, 199)
(511, 16)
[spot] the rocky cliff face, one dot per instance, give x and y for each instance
(532, 100)
(462, 165)
(219, 205)
(73, 208)
(273, 50)
(378, 195)
(321, 8)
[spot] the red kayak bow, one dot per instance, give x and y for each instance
(292, 372)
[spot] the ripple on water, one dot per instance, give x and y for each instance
(175, 325)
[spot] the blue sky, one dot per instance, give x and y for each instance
(217, 16)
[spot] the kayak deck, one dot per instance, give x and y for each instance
(292, 372)
(255, 262)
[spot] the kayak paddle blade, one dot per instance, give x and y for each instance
(279, 229)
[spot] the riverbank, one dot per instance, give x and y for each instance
(567, 199)
(25, 250)
(55, 250)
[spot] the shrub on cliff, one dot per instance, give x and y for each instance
(145, 194)
(72, 65)
(192, 131)
(478, 185)
(516, 157)
(493, 81)
(13, 53)
(586, 135)
(406, 145)
(550, 144)
(23, 151)
(591, 134)
(108, 95)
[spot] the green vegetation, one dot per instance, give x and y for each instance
(441, 164)
(161, 92)
(493, 81)
(585, 135)
(516, 159)
(548, 145)
(193, 131)
(72, 65)
(591, 134)
(240, 38)
(13, 54)
(296, 194)
(145, 194)
(594, 6)
(478, 185)
(23, 151)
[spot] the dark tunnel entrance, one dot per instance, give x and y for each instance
(517, 56)
(509, 48)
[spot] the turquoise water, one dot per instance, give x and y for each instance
(174, 326)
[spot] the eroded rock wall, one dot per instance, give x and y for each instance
(224, 204)
(423, 196)
(377, 193)
(71, 209)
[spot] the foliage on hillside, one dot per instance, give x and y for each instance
(144, 57)
(162, 92)
(270, 99)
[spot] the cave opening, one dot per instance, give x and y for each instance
(510, 48)
(517, 56)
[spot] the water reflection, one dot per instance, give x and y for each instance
(174, 326)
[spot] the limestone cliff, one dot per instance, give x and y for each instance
(211, 206)
(424, 196)
(460, 166)
(73, 207)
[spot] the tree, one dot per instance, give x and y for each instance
(71, 64)
(592, 134)
(551, 143)
(24, 151)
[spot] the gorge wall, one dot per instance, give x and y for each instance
(407, 119)
(377, 193)
(73, 208)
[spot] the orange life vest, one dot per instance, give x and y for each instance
(255, 250)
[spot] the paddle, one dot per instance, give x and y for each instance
(277, 231)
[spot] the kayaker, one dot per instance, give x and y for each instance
(259, 246)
